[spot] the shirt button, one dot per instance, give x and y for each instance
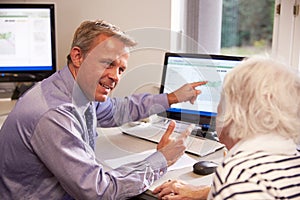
(161, 172)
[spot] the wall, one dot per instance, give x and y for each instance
(148, 22)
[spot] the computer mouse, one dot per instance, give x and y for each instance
(204, 167)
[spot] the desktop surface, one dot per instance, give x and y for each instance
(6, 105)
(121, 145)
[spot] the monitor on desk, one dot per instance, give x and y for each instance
(181, 68)
(27, 42)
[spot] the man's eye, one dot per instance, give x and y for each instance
(106, 64)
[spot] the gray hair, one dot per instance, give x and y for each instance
(261, 96)
(89, 30)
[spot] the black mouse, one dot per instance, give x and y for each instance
(204, 167)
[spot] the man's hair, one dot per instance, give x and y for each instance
(89, 30)
(261, 96)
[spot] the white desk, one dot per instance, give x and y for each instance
(112, 144)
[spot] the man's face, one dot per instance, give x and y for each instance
(102, 67)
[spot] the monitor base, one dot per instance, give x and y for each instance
(20, 89)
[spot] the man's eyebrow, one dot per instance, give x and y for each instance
(107, 59)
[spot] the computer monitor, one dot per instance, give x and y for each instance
(181, 68)
(27, 41)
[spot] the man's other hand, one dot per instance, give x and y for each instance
(173, 148)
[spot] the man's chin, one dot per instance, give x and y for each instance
(101, 98)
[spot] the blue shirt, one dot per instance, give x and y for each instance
(44, 149)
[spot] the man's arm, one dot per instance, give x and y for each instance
(70, 161)
(117, 111)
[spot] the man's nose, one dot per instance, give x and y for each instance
(114, 74)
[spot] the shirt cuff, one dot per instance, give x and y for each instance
(162, 99)
(158, 162)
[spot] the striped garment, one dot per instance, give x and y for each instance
(264, 167)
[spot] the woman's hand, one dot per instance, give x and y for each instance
(178, 190)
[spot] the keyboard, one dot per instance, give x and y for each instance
(197, 143)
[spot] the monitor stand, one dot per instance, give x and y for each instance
(20, 89)
(13, 90)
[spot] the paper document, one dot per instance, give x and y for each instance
(184, 161)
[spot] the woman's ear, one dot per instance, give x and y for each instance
(224, 137)
(76, 56)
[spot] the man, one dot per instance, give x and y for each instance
(258, 121)
(47, 141)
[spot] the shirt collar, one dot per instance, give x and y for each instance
(78, 97)
(266, 142)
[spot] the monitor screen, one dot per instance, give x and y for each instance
(180, 68)
(27, 42)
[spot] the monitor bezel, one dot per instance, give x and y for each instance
(22, 75)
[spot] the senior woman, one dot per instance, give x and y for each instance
(259, 122)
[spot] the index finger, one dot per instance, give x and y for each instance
(196, 84)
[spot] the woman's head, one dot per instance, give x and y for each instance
(260, 96)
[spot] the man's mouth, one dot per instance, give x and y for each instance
(106, 86)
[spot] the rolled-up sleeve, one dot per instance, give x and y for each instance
(117, 111)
